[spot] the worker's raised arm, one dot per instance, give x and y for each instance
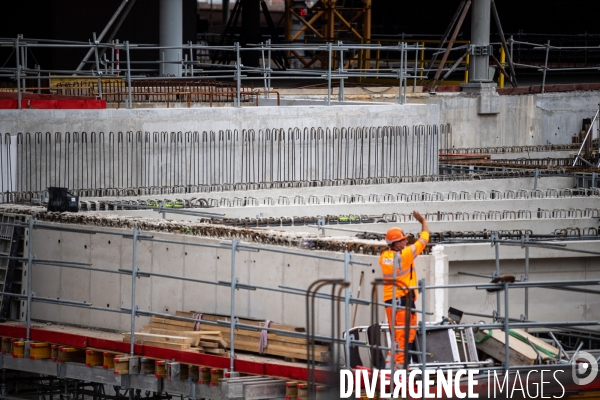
(422, 220)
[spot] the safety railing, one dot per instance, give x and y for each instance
(570, 59)
(108, 71)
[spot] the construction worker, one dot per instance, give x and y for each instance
(406, 276)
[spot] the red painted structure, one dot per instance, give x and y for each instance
(9, 101)
(243, 366)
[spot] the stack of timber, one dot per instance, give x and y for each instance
(521, 347)
(293, 348)
(179, 335)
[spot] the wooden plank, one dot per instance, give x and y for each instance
(39, 351)
(215, 351)
(109, 359)
(520, 353)
(275, 342)
(121, 365)
(248, 321)
(283, 352)
(157, 338)
(160, 369)
(209, 345)
(176, 322)
(204, 375)
(195, 336)
(225, 332)
(538, 342)
(164, 345)
(160, 329)
(214, 339)
(94, 358)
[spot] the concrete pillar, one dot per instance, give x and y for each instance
(440, 277)
(479, 71)
(170, 34)
(480, 39)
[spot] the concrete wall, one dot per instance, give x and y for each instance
(110, 252)
(101, 149)
(523, 120)
(273, 269)
(215, 119)
(545, 265)
(168, 295)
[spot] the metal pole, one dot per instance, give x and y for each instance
(497, 273)
(39, 81)
(234, 244)
(341, 72)
(347, 257)
(24, 64)
(415, 67)
(329, 74)
(134, 269)
(264, 65)
(480, 38)
(106, 28)
(423, 290)
(269, 71)
(191, 58)
(405, 69)
(97, 66)
(400, 74)
(537, 173)
(18, 72)
(397, 262)
(238, 75)
(526, 279)
(29, 265)
(545, 67)
(130, 99)
(506, 330)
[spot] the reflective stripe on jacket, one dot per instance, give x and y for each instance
(405, 274)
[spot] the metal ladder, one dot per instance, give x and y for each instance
(10, 241)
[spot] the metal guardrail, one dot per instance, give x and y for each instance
(192, 69)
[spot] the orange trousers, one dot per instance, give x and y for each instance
(398, 335)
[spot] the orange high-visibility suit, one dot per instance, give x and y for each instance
(405, 277)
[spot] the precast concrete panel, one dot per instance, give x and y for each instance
(223, 270)
(143, 289)
(46, 279)
(545, 304)
(268, 271)
(524, 120)
(298, 273)
(167, 259)
(104, 286)
(75, 283)
(200, 263)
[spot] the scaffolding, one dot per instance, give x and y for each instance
(174, 375)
